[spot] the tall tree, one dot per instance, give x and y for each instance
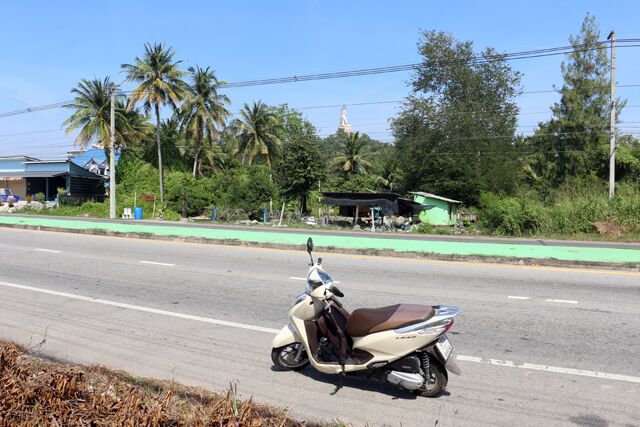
(258, 133)
(573, 143)
(353, 160)
(455, 133)
(203, 112)
(300, 168)
(160, 82)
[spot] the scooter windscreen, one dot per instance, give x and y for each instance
(317, 278)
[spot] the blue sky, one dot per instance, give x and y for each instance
(48, 46)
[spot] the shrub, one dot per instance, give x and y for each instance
(39, 197)
(186, 194)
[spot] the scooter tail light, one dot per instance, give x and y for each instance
(449, 326)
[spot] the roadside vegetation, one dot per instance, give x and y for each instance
(36, 391)
(456, 135)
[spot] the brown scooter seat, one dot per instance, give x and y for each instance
(365, 321)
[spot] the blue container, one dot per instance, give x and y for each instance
(214, 214)
(137, 213)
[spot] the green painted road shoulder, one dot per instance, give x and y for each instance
(451, 248)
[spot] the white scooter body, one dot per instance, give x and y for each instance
(375, 350)
(386, 346)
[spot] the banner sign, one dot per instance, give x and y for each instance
(10, 178)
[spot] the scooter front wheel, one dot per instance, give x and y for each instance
(291, 357)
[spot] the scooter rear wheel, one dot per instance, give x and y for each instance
(285, 357)
(435, 382)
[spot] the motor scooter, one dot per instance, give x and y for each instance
(404, 344)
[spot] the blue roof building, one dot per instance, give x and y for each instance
(27, 176)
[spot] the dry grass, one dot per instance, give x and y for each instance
(34, 391)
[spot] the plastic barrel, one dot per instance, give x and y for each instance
(137, 213)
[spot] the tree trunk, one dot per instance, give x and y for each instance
(303, 204)
(198, 138)
(159, 154)
(195, 162)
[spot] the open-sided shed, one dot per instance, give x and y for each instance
(390, 204)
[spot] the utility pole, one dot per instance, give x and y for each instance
(112, 159)
(612, 153)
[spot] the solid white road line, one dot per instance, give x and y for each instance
(517, 297)
(141, 308)
(554, 369)
(473, 359)
(47, 250)
(166, 264)
(564, 301)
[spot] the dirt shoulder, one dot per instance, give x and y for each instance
(38, 391)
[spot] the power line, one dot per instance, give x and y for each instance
(478, 59)
(30, 132)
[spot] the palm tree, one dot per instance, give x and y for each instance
(215, 158)
(160, 82)
(352, 161)
(389, 174)
(203, 111)
(257, 133)
(137, 129)
(92, 105)
(92, 116)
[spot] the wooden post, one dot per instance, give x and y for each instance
(281, 215)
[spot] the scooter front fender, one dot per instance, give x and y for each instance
(286, 336)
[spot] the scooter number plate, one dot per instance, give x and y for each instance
(444, 347)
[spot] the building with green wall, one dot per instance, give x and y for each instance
(444, 211)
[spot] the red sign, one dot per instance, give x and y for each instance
(10, 178)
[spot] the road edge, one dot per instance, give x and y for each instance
(547, 262)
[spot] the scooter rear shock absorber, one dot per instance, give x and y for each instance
(424, 358)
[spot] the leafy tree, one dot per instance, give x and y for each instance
(572, 143)
(203, 112)
(455, 133)
(257, 133)
(300, 167)
(160, 83)
(249, 189)
(352, 160)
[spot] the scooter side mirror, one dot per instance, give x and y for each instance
(309, 245)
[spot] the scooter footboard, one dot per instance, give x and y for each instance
(286, 336)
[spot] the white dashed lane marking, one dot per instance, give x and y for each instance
(47, 250)
(165, 264)
(562, 301)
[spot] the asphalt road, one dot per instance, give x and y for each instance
(557, 346)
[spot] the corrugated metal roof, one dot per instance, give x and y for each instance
(433, 196)
(35, 174)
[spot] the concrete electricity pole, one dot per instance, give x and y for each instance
(112, 160)
(612, 153)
